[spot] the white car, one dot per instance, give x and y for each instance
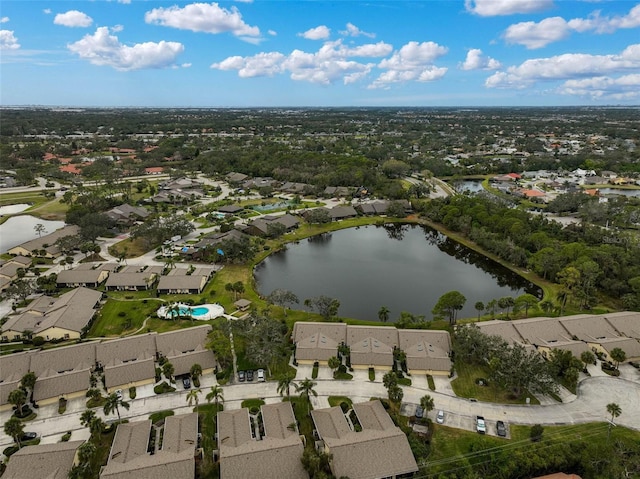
(261, 377)
(481, 427)
(440, 417)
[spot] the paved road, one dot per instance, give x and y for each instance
(590, 405)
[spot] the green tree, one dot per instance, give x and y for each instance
(479, 308)
(18, 397)
(383, 314)
(395, 394)
(506, 303)
(39, 229)
(427, 403)
(390, 379)
(28, 381)
(306, 390)
(194, 396)
(587, 357)
(282, 298)
(285, 381)
(526, 302)
(536, 433)
(448, 305)
(618, 355)
(196, 372)
(113, 403)
(168, 370)
(325, 306)
(334, 363)
(15, 429)
(615, 410)
(216, 394)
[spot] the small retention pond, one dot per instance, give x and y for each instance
(18, 229)
(402, 267)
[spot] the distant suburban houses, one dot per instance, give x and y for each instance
(427, 351)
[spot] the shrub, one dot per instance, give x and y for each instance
(132, 392)
(314, 372)
(372, 374)
(66, 437)
(163, 387)
(536, 432)
(122, 314)
(38, 341)
(342, 368)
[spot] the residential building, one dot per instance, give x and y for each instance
(66, 317)
(378, 449)
(186, 347)
(317, 341)
(43, 461)
(262, 226)
(130, 456)
(372, 346)
(246, 452)
(45, 245)
(427, 351)
(127, 361)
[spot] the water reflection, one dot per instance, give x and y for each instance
(402, 267)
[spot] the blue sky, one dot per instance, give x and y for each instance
(316, 53)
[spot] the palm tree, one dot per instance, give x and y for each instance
(196, 372)
(285, 381)
(618, 355)
(192, 397)
(427, 403)
(334, 363)
(14, 428)
(28, 382)
(383, 314)
(305, 388)
(615, 410)
(113, 403)
(587, 357)
(479, 308)
(86, 417)
(18, 397)
(39, 228)
(216, 394)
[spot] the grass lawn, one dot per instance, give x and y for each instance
(253, 403)
(103, 446)
(160, 415)
(207, 415)
(119, 317)
(336, 400)
(301, 409)
(134, 248)
(465, 386)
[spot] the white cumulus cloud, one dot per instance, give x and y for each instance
(4, 19)
(537, 35)
(333, 62)
(413, 62)
(606, 87)
(47, 11)
(101, 48)
(565, 67)
(353, 31)
(492, 8)
(202, 17)
(477, 61)
(8, 41)
(73, 18)
(320, 32)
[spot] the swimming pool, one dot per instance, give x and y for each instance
(203, 312)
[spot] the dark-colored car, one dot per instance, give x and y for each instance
(28, 436)
(249, 375)
(241, 376)
(186, 382)
(501, 429)
(419, 412)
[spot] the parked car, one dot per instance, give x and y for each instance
(119, 393)
(419, 412)
(186, 382)
(261, 376)
(241, 376)
(28, 436)
(440, 417)
(501, 429)
(250, 375)
(481, 426)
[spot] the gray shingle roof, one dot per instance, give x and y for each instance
(44, 461)
(318, 341)
(372, 345)
(426, 349)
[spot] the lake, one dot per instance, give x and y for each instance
(18, 229)
(619, 192)
(472, 186)
(13, 209)
(402, 267)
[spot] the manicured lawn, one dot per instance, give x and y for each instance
(207, 415)
(160, 415)
(336, 400)
(301, 410)
(253, 403)
(134, 248)
(120, 317)
(465, 386)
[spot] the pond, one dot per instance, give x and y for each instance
(619, 192)
(472, 186)
(13, 209)
(18, 229)
(402, 267)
